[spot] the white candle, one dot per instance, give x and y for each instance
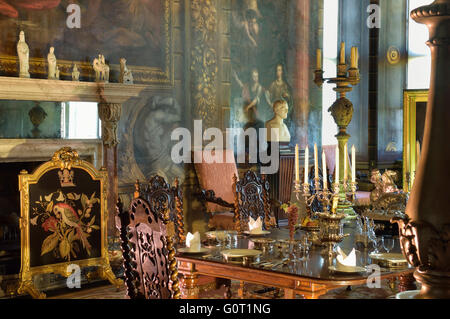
(353, 164)
(342, 61)
(324, 168)
(319, 59)
(316, 162)
(336, 176)
(297, 173)
(345, 161)
(306, 163)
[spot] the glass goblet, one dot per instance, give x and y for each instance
(388, 243)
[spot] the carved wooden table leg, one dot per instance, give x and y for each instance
(188, 281)
(406, 282)
(241, 290)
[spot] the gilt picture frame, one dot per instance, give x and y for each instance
(139, 31)
(414, 109)
(63, 220)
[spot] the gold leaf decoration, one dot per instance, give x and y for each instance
(64, 249)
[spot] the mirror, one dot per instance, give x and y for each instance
(49, 120)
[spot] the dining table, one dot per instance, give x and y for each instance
(309, 274)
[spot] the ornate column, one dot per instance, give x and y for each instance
(425, 232)
(109, 114)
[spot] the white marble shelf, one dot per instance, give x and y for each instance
(15, 88)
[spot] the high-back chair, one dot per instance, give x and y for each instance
(147, 232)
(216, 183)
(251, 199)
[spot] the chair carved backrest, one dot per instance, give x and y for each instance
(161, 196)
(146, 231)
(251, 200)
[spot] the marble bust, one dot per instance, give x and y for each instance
(280, 110)
(51, 58)
(24, 53)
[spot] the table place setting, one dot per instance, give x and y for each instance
(346, 263)
(255, 227)
(193, 245)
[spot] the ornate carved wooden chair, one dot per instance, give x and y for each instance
(251, 199)
(146, 231)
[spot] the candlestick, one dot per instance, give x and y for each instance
(297, 174)
(319, 59)
(336, 176)
(342, 61)
(345, 162)
(316, 163)
(324, 168)
(306, 163)
(353, 164)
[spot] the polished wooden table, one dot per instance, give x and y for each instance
(309, 277)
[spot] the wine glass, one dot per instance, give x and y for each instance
(388, 243)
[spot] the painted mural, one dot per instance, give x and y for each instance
(134, 29)
(259, 58)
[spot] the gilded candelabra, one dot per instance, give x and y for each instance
(330, 222)
(342, 112)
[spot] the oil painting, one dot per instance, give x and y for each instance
(137, 30)
(259, 49)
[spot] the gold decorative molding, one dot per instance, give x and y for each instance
(204, 64)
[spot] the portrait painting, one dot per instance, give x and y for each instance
(137, 30)
(259, 49)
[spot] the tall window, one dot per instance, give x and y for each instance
(79, 120)
(330, 48)
(419, 55)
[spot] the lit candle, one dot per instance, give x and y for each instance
(319, 59)
(345, 161)
(306, 163)
(342, 61)
(336, 175)
(353, 164)
(324, 168)
(316, 162)
(417, 154)
(297, 174)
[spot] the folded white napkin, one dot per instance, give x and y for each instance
(255, 226)
(345, 262)
(193, 241)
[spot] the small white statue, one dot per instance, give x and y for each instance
(51, 58)
(101, 69)
(75, 73)
(24, 53)
(125, 74)
(280, 110)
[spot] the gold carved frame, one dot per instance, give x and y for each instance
(158, 76)
(64, 158)
(410, 99)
